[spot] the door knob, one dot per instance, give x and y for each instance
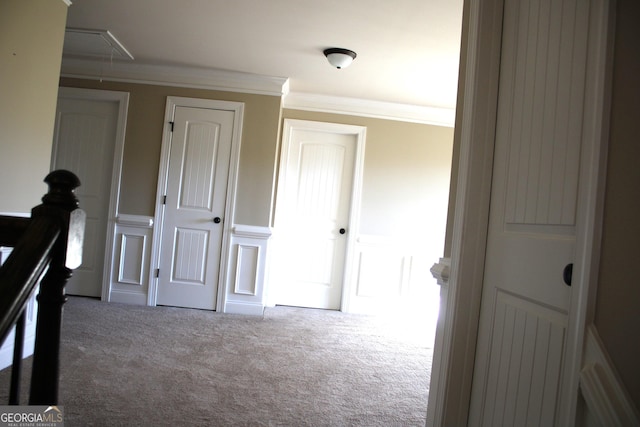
(567, 273)
(217, 220)
(342, 231)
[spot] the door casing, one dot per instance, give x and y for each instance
(453, 360)
(229, 214)
(356, 194)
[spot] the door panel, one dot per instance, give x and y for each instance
(315, 207)
(532, 220)
(195, 197)
(84, 143)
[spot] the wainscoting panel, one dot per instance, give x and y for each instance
(607, 401)
(132, 249)
(389, 274)
(246, 270)
(129, 282)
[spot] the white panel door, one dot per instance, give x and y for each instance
(532, 222)
(313, 217)
(194, 209)
(84, 142)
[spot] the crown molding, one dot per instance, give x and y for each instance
(67, 2)
(171, 75)
(366, 108)
(232, 81)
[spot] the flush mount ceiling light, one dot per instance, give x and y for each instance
(339, 58)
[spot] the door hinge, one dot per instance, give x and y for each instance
(171, 123)
(157, 272)
(164, 200)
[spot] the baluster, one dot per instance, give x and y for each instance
(16, 367)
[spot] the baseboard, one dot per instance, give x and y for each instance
(606, 398)
(244, 308)
(128, 297)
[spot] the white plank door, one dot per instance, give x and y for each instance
(194, 209)
(533, 214)
(313, 217)
(84, 143)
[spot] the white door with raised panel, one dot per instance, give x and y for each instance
(533, 217)
(84, 143)
(196, 191)
(313, 221)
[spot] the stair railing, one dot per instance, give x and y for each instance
(47, 245)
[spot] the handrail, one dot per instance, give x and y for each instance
(20, 273)
(50, 241)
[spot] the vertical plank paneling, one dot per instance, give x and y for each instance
(198, 172)
(190, 255)
(523, 368)
(545, 121)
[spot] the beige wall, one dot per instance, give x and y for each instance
(406, 176)
(618, 299)
(31, 38)
(143, 141)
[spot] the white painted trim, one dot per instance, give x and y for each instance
(119, 289)
(169, 75)
(231, 81)
(251, 240)
(123, 255)
(232, 183)
(454, 355)
(241, 248)
(591, 201)
(454, 350)
(356, 194)
(135, 220)
(438, 116)
(124, 297)
(122, 98)
(251, 309)
(601, 387)
(252, 231)
(67, 2)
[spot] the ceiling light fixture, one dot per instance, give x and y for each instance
(339, 58)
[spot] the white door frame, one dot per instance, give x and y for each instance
(229, 213)
(454, 359)
(122, 98)
(360, 133)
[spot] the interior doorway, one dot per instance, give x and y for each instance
(314, 214)
(195, 202)
(89, 141)
(194, 205)
(317, 194)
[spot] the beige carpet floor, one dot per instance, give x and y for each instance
(159, 366)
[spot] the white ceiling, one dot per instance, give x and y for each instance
(408, 50)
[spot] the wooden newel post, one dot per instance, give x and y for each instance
(60, 205)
